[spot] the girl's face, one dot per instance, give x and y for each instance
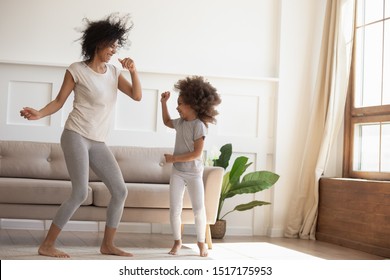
(185, 111)
(105, 53)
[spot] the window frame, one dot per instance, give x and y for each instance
(354, 115)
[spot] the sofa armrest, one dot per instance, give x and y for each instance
(212, 178)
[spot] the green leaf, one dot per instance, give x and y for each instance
(239, 167)
(225, 184)
(247, 187)
(250, 205)
(224, 190)
(252, 183)
(247, 206)
(224, 158)
(266, 176)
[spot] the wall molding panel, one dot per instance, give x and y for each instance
(24, 92)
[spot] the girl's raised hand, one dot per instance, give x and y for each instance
(165, 96)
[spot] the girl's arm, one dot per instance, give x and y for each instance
(197, 153)
(53, 106)
(165, 114)
(133, 89)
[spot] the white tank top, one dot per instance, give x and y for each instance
(94, 99)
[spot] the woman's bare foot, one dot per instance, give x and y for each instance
(47, 247)
(108, 247)
(113, 250)
(203, 249)
(51, 251)
(176, 247)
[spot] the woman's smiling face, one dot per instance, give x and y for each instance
(106, 52)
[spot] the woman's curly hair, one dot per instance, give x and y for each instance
(201, 96)
(104, 32)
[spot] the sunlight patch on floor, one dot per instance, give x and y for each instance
(253, 250)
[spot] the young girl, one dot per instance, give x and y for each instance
(196, 106)
(95, 84)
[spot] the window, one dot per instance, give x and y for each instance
(367, 120)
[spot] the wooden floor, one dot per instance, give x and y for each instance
(10, 238)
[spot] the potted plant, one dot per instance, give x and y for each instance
(233, 185)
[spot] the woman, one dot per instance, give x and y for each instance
(95, 84)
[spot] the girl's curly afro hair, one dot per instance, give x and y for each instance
(201, 96)
(104, 32)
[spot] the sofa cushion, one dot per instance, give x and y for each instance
(143, 164)
(139, 195)
(32, 160)
(46, 161)
(36, 191)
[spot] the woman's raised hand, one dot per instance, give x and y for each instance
(128, 63)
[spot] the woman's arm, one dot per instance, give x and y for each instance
(133, 89)
(53, 106)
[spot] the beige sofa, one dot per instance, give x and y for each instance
(34, 181)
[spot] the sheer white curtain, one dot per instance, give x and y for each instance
(326, 116)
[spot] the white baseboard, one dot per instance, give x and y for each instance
(45, 224)
(22, 224)
(275, 232)
(135, 227)
(239, 231)
(125, 227)
(81, 226)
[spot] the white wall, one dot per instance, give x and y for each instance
(216, 37)
(301, 34)
(238, 45)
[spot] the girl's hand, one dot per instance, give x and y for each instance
(165, 96)
(128, 63)
(30, 113)
(169, 158)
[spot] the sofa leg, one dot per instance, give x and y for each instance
(209, 240)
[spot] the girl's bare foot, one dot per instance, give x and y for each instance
(203, 249)
(176, 247)
(51, 251)
(113, 250)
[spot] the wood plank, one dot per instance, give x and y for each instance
(22, 237)
(5, 238)
(355, 213)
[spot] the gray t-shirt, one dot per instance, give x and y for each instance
(187, 132)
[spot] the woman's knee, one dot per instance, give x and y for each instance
(120, 192)
(80, 195)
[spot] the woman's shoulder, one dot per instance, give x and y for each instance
(77, 65)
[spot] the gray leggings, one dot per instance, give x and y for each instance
(80, 153)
